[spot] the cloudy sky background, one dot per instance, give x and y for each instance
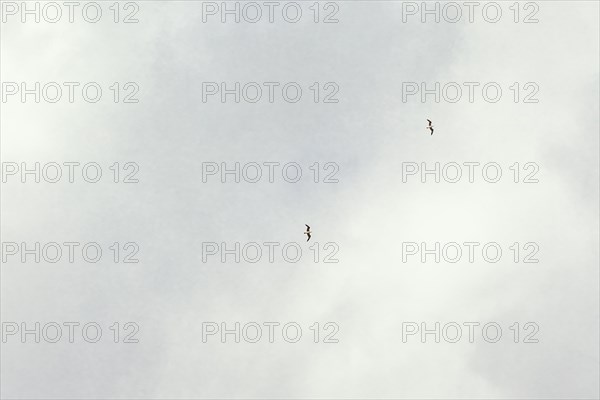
(369, 213)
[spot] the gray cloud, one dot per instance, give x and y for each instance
(369, 133)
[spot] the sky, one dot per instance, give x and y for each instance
(365, 140)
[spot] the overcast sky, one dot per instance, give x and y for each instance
(369, 133)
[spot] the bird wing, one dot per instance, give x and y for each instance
(307, 227)
(431, 130)
(308, 237)
(429, 122)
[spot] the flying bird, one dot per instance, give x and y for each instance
(307, 233)
(430, 127)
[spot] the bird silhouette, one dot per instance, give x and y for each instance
(307, 233)
(430, 127)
